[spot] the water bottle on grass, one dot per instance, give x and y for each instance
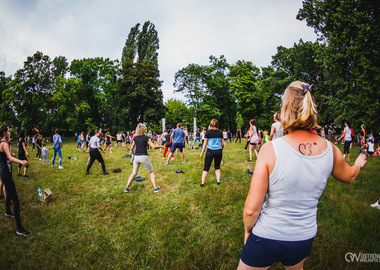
(40, 194)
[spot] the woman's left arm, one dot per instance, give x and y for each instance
(259, 187)
(154, 146)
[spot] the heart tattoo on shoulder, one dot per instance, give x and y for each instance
(305, 149)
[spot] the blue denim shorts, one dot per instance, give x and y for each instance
(263, 252)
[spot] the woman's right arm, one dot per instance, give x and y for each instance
(342, 171)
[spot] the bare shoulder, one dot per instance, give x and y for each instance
(267, 151)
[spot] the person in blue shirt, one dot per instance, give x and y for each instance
(57, 145)
(214, 142)
(177, 138)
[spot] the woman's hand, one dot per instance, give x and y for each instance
(246, 236)
(361, 160)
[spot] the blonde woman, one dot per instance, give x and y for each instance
(276, 130)
(141, 141)
(291, 173)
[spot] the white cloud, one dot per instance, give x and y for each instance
(189, 31)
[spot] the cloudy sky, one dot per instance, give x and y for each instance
(189, 30)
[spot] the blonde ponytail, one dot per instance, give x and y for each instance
(298, 107)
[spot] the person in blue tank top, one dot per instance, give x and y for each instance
(291, 173)
(214, 142)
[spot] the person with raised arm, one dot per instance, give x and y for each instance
(290, 175)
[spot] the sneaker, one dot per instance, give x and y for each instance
(40, 159)
(9, 215)
(105, 173)
(44, 163)
(218, 183)
(19, 174)
(52, 165)
(87, 173)
(163, 158)
(249, 160)
(60, 167)
(183, 161)
(23, 232)
(25, 177)
(167, 163)
(127, 190)
(202, 185)
(157, 189)
(376, 205)
(172, 158)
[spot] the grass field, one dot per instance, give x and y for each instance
(90, 223)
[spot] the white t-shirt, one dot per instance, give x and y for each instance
(94, 142)
(278, 130)
(347, 134)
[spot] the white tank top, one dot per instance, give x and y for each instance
(255, 137)
(295, 185)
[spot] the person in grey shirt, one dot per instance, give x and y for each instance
(95, 154)
(291, 173)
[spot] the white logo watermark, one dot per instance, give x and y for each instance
(362, 257)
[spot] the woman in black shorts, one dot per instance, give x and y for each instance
(108, 142)
(22, 154)
(214, 142)
(6, 157)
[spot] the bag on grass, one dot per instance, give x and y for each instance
(139, 178)
(47, 194)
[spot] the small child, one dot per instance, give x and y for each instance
(44, 153)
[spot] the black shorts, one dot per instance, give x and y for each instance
(263, 252)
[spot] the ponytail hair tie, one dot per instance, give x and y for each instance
(306, 88)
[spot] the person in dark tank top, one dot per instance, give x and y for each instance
(6, 157)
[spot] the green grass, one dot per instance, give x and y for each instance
(90, 223)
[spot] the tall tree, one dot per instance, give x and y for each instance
(148, 45)
(130, 48)
(144, 43)
(140, 94)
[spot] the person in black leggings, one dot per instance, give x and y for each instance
(22, 154)
(39, 146)
(214, 142)
(94, 152)
(238, 136)
(6, 157)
